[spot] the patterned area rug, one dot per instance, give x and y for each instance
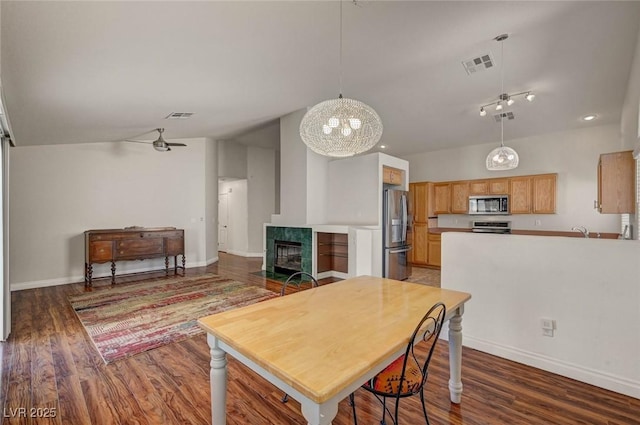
(128, 319)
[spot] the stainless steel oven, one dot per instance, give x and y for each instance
(489, 205)
(478, 226)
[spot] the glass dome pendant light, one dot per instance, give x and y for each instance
(502, 157)
(341, 127)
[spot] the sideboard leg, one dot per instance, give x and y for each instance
(113, 272)
(88, 274)
(166, 266)
(183, 261)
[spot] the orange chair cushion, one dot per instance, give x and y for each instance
(388, 380)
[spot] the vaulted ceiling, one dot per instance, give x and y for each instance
(76, 72)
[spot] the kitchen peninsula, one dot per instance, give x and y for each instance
(586, 289)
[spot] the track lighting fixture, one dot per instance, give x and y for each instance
(508, 99)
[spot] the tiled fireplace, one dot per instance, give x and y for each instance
(288, 249)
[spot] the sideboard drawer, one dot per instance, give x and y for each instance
(174, 246)
(101, 251)
(139, 248)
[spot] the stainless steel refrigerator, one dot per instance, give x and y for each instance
(396, 231)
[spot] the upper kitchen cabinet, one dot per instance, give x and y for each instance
(393, 176)
(460, 197)
(533, 194)
(442, 198)
(616, 183)
(544, 194)
(520, 195)
(489, 187)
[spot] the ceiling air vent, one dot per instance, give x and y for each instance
(179, 115)
(507, 115)
(480, 63)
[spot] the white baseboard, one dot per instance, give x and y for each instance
(19, 286)
(591, 376)
(213, 260)
(245, 253)
(332, 273)
(46, 282)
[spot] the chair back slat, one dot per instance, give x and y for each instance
(294, 282)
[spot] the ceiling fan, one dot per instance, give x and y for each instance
(159, 144)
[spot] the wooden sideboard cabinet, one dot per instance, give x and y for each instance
(131, 243)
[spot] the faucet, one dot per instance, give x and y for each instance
(582, 230)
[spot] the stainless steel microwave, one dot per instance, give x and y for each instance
(489, 205)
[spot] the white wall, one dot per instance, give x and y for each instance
(261, 192)
(573, 155)
(57, 192)
(630, 122)
(355, 193)
(232, 160)
(303, 177)
(629, 125)
(590, 287)
(238, 229)
(211, 200)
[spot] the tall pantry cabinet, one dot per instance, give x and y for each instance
(422, 196)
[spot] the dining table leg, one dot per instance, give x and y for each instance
(455, 356)
(319, 414)
(218, 381)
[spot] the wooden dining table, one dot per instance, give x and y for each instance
(321, 344)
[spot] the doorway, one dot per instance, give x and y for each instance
(223, 221)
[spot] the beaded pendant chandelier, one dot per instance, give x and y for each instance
(341, 127)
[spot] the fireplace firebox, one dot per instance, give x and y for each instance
(288, 257)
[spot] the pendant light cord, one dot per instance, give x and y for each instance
(502, 114)
(340, 59)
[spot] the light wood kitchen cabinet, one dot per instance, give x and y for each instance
(498, 186)
(478, 187)
(520, 195)
(544, 194)
(533, 194)
(459, 197)
(392, 175)
(616, 183)
(420, 248)
(419, 194)
(489, 187)
(434, 252)
(442, 198)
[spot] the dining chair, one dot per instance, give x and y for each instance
(292, 283)
(296, 280)
(406, 376)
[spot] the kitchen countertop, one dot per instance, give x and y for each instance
(573, 234)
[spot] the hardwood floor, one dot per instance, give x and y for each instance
(50, 363)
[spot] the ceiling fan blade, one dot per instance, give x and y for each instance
(175, 144)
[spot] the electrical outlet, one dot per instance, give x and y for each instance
(538, 223)
(548, 324)
(547, 332)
